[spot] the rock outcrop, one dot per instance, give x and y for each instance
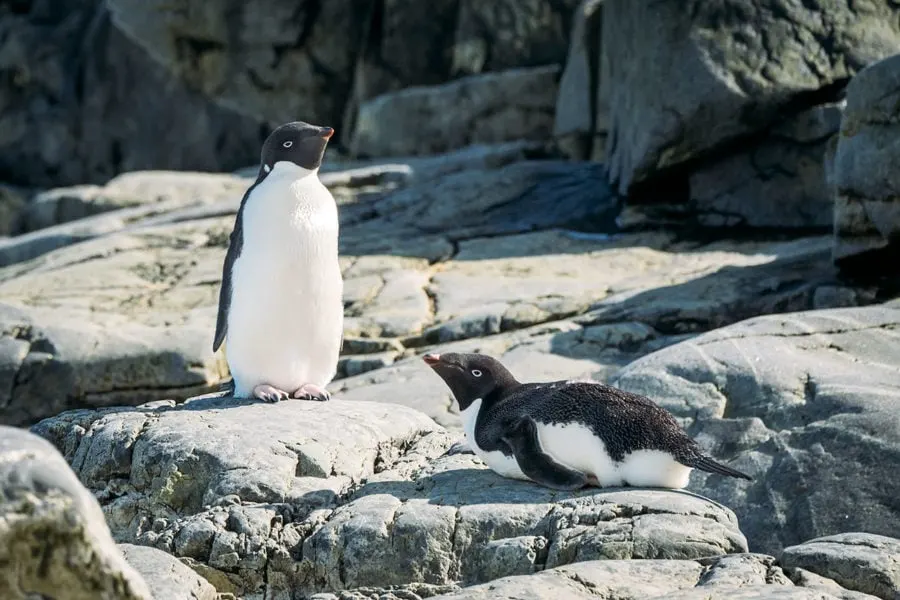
(864, 174)
(858, 561)
(268, 496)
(82, 103)
(801, 402)
(517, 104)
(54, 542)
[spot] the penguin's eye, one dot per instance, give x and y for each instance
(476, 372)
(288, 144)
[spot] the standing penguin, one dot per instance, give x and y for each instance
(568, 434)
(281, 300)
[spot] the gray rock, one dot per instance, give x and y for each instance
(13, 201)
(167, 577)
(54, 542)
(52, 361)
(574, 123)
(798, 401)
(866, 183)
(386, 64)
(864, 562)
(505, 34)
(509, 105)
(269, 499)
(780, 182)
(84, 103)
(683, 84)
(746, 576)
(286, 62)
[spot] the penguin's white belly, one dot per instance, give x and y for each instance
(286, 315)
(506, 466)
(575, 446)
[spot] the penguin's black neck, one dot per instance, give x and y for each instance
(500, 392)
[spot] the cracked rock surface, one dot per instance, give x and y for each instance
(266, 497)
(54, 542)
(483, 246)
(806, 404)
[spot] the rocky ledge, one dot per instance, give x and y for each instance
(265, 501)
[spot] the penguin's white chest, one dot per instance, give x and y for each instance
(286, 315)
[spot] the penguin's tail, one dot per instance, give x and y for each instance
(705, 463)
(227, 386)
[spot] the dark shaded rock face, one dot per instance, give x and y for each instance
(865, 176)
(717, 114)
(80, 103)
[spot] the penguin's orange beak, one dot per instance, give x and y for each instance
(327, 132)
(431, 359)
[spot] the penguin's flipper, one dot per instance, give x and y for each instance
(522, 437)
(235, 245)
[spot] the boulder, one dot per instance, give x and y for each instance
(54, 542)
(267, 498)
(799, 401)
(269, 59)
(858, 561)
(574, 126)
(385, 63)
(505, 34)
(166, 576)
(488, 108)
(83, 103)
(52, 361)
(13, 201)
(685, 85)
(864, 174)
(745, 576)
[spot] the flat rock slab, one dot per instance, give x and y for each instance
(799, 401)
(318, 497)
(167, 577)
(54, 542)
(865, 562)
(747, 576)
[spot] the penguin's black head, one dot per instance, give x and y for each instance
(471, 376)
(298, 142)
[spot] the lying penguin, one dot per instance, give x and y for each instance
(569, 434)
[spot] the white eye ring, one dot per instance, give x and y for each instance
(288, 144)
(476, 372)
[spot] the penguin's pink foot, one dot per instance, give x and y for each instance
(267, 393)
(310, 391)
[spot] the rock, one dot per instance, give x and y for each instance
(798, 401)
(682, 85)
(779, 182)
(858, 561)
(62, 205)
(866, 183)
(269, 59)
(51, 361)
(267, 495)
(12, 203)
(748, 576)
(54, 542)
(574, 124)
(168, 578)
(387, 65)
(498, 107)
(511, 33)
(83, 103)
